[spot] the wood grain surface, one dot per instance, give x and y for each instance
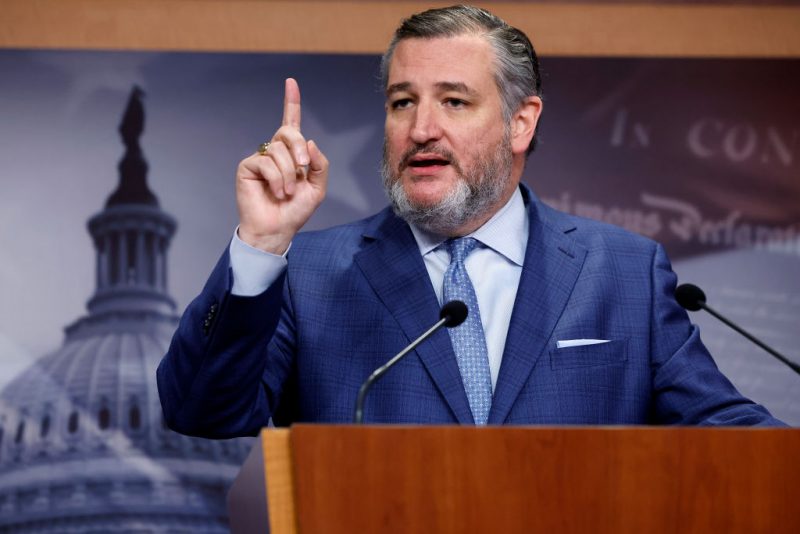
(556, 28)
(280, 480)
(566, 480)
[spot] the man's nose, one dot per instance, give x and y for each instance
(427, 124)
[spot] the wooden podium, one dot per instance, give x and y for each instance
(451, 479)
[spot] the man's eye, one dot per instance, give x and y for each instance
(401, 103)
(455, 103)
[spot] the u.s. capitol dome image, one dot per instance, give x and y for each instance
(83, 444)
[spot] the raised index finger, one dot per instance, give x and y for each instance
(291, 104)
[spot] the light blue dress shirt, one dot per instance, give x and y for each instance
(494, 267)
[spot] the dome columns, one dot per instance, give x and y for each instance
(131, 242)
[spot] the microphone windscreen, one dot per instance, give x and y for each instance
(454, 313)
(690, 296)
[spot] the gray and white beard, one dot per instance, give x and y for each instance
(476, 192)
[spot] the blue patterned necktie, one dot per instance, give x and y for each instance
(468, 339)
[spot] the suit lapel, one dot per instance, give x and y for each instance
(393, 267)
(552, 264)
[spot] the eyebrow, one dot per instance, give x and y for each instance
(397, 87)
(460, 87)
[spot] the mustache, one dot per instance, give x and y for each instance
(442, 152)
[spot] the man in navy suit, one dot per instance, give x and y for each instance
(576, 320)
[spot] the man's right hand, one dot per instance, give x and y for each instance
(277, 192)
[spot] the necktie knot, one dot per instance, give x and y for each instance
(460, 247)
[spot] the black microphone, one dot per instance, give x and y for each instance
(452, 314)
(692, 298)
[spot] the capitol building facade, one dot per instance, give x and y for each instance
(83, 444)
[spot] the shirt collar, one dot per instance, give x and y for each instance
(506, 232)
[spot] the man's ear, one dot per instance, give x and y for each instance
(523, 124)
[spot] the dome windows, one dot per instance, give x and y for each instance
(72, 422)
(134, 416)
(44, 428)
(104, 418)
(20, 432)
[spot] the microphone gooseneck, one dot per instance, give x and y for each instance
(452, 314)
(692, 298)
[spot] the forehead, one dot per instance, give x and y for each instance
(467, 59)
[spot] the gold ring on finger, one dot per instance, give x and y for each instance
(263, 147)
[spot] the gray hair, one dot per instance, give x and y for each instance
(517, 67)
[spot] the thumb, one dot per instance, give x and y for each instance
(318, 166)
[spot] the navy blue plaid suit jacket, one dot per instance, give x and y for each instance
(355, 295)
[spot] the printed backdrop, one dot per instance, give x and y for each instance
(701, 155)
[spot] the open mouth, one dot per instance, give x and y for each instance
(426, 161)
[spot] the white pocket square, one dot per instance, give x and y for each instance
(564, 343)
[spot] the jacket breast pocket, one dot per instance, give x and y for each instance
(609, 353)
